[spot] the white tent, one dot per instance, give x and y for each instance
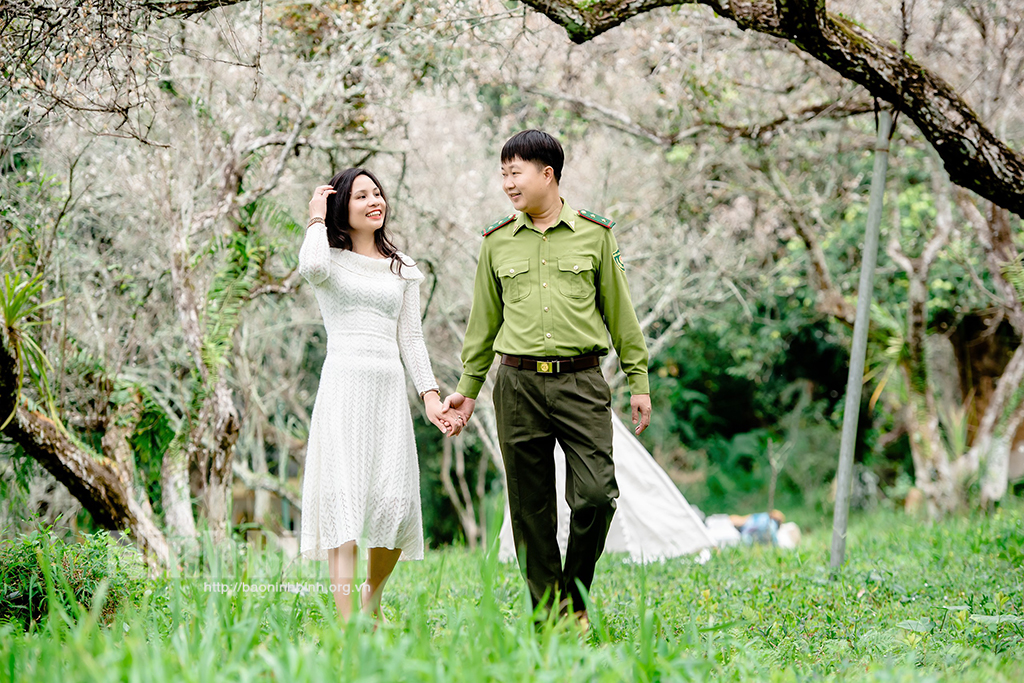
(652, 519)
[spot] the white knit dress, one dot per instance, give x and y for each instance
(361, 478)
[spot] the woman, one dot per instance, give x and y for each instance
(361, 480)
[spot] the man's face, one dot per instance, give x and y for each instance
(526, 183)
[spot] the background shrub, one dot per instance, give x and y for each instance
(76, 569)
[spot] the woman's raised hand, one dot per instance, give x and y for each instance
(318, 204)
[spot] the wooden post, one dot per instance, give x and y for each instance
(855, 380)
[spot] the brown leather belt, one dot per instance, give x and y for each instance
(552, 365)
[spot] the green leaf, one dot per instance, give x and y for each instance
(997, 619)
(20, 314)
(923, 625)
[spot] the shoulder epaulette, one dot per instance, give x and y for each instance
(594, 218)
(500, 223)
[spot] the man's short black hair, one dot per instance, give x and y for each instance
(536, 146)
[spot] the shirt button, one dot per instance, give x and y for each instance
(543, 262)
(575, 267)
(548, 335)
(512, 270)
(544, 284)
(545, 238)
(545, 309)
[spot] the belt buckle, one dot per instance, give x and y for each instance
(544, 366)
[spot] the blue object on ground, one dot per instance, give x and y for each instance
(760, 528)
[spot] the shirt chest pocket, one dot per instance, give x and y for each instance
(514, 279)
(576, 277)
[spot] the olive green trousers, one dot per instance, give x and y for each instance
(533, 410)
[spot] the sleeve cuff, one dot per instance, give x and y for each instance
(469, 386)
(639, 384)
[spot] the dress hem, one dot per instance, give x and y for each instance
(320, 554)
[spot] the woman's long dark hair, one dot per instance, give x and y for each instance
(337, 217)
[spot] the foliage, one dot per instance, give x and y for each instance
(708, 402)
(671, 124)
(912, 604)
(97, 573)
(725, 379)
(227, 295)
(22, 313)
(1013, 271)
(441, 524)
(149, 441)
(440, 521)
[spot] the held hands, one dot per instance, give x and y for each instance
(435, 413)
(458, 409)
(318, 204)
(641, 405)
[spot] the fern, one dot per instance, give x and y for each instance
(20, 315)
(150, 441)
(1013, 271)
(226, 298)
(270, 214)
(954, 424)
(890, 335)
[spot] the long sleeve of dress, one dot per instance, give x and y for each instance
(410, 334)
(315, 255)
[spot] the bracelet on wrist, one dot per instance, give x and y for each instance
(435, 390)
(314, 220)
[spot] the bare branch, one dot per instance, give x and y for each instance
(973, 155)
(619, 120)
(830, 300)
(265, 482)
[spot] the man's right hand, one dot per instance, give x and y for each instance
(461, 405)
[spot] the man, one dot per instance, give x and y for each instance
(550, 287)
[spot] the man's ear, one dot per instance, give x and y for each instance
(549, 174)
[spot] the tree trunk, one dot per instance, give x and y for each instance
(997, 434)
(100, 484)
(218, 422)
(177, 495)
(217, 419)
(990, 452)
(261, 497)
(225, 434)
(932, 473)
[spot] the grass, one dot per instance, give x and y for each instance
(912, 603)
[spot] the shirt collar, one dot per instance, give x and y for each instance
(567, 215)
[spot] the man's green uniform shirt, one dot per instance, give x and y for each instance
(557, 293)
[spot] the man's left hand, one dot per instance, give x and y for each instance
(641, 405)
(459, 407)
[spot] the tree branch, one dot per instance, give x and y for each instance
(622, 122)
(265, 482)
(830, 299)
(974, 157)
(619, 120)
(97, 482)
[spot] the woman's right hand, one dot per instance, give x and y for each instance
(432, 402)
(318, 204)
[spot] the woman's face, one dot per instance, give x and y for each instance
(366, 207)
